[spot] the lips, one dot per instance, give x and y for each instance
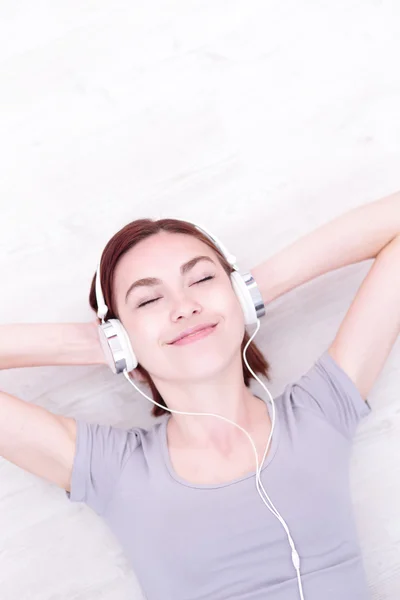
(192, 330)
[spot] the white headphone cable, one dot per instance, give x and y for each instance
(294, 556)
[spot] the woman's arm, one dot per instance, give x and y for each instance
(42, 344)
(32, 437)
(37, 440)
(357, 235)
(372, 324)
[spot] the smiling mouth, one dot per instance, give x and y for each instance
(194, 336)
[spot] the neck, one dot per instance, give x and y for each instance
(225, 395)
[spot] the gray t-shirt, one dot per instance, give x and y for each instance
(220, 542)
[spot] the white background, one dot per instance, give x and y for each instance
(260, 119)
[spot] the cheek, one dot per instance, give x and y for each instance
(223, 300)
(234, 309)
(143, 332)
(235, 321)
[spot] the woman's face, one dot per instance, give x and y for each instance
(178, 301)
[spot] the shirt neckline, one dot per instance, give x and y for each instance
(271, 453)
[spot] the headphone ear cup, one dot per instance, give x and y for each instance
(245, 299)
(116, 346)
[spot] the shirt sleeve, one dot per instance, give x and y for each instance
(327, 390)
(101, 452)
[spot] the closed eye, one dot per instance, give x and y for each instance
(205, 279)
(154, 300)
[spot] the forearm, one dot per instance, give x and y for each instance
(357, 235)
(42, 344)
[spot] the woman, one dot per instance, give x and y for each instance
(181, 497)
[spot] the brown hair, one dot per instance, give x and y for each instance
(127, 238)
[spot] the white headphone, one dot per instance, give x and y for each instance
(120, 357)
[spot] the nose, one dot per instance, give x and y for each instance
(184, 306)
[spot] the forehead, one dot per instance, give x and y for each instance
(158, 255)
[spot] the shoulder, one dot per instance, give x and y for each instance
(326, 390)
(145, 439)
(101, 455)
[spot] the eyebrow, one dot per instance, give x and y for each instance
(151, 281)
